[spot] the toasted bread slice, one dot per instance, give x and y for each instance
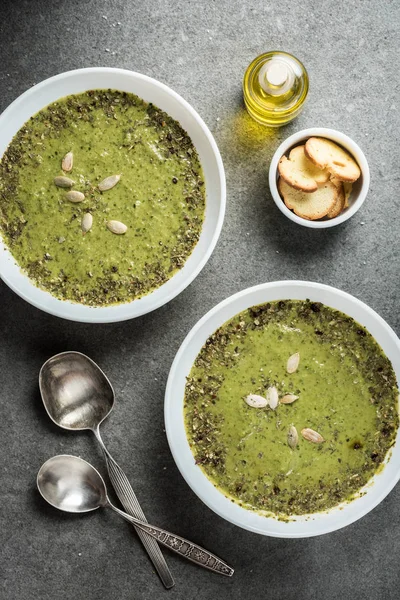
(325, 154)
(340, 200)
(348, 186)
(299, 172)
(309, 205)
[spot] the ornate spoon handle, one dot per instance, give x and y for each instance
(181, 546)
(129, 501)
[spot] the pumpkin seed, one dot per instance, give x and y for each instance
(293, 363)
(312, 436)
(63, 182)
(116, 227)
(292, 437)
(109, 182)
(288, 399)
(256, 401)
(74, 196)
(67, 162)
(272, 397)
(87, 222)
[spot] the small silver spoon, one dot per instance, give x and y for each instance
(77, 395)
(71, 484)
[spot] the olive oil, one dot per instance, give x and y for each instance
(275, 87)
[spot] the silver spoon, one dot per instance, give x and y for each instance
(71, 484)
(77, 395)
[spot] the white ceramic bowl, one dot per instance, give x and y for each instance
(74, 82)
(360, 187)
(301, 526)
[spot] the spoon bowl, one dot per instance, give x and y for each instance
(71, 484)
(75, 391)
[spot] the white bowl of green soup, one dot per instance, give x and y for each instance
(112, 195)
(281, 409)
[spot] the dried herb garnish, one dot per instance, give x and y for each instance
(108, 133)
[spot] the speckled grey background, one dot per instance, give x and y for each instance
(201, 49)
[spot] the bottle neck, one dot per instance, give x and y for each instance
(276, 77)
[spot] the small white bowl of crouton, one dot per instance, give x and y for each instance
(319, 177)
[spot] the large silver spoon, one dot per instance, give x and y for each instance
(71, 484)
(77, 395)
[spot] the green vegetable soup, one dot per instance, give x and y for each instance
(344, 389)
(159, 199)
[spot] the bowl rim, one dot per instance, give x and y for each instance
(203, 487)
(94, 313)
(347, 143)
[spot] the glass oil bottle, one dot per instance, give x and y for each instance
(275, 87)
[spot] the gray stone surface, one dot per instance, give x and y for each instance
(201, 50)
